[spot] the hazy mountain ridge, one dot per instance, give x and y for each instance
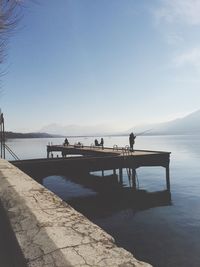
(30, 135)
(189, 124)
(78, 130)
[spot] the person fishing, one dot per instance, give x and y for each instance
(132, 137)
(96, 142)
(66, 142)
(101, 143)
(132, 141)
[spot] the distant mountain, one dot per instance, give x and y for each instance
(189, 124)
(29, 135)
(78, 130)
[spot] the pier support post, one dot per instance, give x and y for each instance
(102, 173)
(167, 178)
(134, 178)
(114, 171)
(121, 176)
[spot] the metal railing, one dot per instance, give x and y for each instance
(12, 153)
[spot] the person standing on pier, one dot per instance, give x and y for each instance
(96, 142)
(102, 142)
(66, 142)
(132, 140)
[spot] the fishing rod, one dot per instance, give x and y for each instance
(141, 133)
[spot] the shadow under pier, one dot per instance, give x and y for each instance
(112, 196)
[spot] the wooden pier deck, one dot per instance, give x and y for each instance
(113, 157)
(89, 159)
(99, 151)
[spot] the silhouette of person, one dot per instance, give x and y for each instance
(132, 140)
(96, 142)
(64, 154)
(66, 142)
(102, 142)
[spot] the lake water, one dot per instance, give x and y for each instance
(165, 234)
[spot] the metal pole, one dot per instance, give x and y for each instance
(1, 135)
(4, 155)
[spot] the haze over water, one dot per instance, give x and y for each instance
(165, 236)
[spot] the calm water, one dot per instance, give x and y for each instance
(165, 236)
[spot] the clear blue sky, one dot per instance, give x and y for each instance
(86, 62)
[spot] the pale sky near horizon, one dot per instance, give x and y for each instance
(115, 62)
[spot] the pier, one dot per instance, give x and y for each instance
(90, 158)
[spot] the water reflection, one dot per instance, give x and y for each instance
(65, 188)
(104, 205)
(165, 235)
(98, 197)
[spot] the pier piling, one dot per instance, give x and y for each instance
(121, 176)
(167, 178)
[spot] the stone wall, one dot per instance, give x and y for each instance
(50, 232)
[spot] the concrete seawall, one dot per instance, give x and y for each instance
(50, 232)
